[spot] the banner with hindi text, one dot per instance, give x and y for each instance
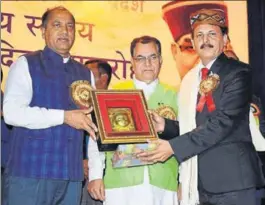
(105, 29)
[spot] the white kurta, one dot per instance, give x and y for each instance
(143, 194)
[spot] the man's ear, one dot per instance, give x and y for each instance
(161, 60)
(192, 42)
(43, 32)
(132, 62)
(225, 39)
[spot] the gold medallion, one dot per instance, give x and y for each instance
(121, 119)
(209, 84)
(80, 92)
(166, 112)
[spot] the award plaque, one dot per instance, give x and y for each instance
(122, 116)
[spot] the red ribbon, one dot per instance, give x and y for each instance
(208, 99)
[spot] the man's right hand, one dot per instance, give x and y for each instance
(80, 119)
(96, 189)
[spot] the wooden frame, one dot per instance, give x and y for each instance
(122, 116)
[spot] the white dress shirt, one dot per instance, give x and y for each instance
(96, 161)
(18, 95)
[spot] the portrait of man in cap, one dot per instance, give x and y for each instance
(176, 15)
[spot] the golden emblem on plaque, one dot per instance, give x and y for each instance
(209, 84)
(121, 119)
(80, 92)
(166, 112)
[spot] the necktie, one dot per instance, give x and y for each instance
(204, 73)
(207, 98)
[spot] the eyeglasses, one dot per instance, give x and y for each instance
(151, 59)
(185, 47)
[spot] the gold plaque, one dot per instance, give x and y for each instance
(80, 92)
(121, 119)
(209, 84)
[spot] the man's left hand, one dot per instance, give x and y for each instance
(161, 153)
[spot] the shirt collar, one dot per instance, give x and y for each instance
(208, 66)
(141, 85)
(148, 89)
(65, 60)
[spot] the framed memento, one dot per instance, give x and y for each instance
(122, 116)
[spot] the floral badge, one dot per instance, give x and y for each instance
(210, 84)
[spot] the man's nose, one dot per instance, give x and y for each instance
(65, 29)
(147, 61)
(205, 38)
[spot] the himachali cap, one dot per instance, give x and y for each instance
(177, 14)
(208, 16)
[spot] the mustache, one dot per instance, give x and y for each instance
(206, 45)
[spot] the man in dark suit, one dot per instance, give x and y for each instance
(217, 148)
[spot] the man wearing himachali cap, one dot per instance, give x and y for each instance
(176, 15)
(219, 164)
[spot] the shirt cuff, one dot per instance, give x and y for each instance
(95, 174)
(56, 117)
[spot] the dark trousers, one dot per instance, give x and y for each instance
(2, 184)
(243, 197)
(29, 191)
(260, 196)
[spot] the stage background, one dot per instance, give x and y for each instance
(109, 27)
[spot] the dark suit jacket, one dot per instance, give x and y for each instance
(227, 160)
